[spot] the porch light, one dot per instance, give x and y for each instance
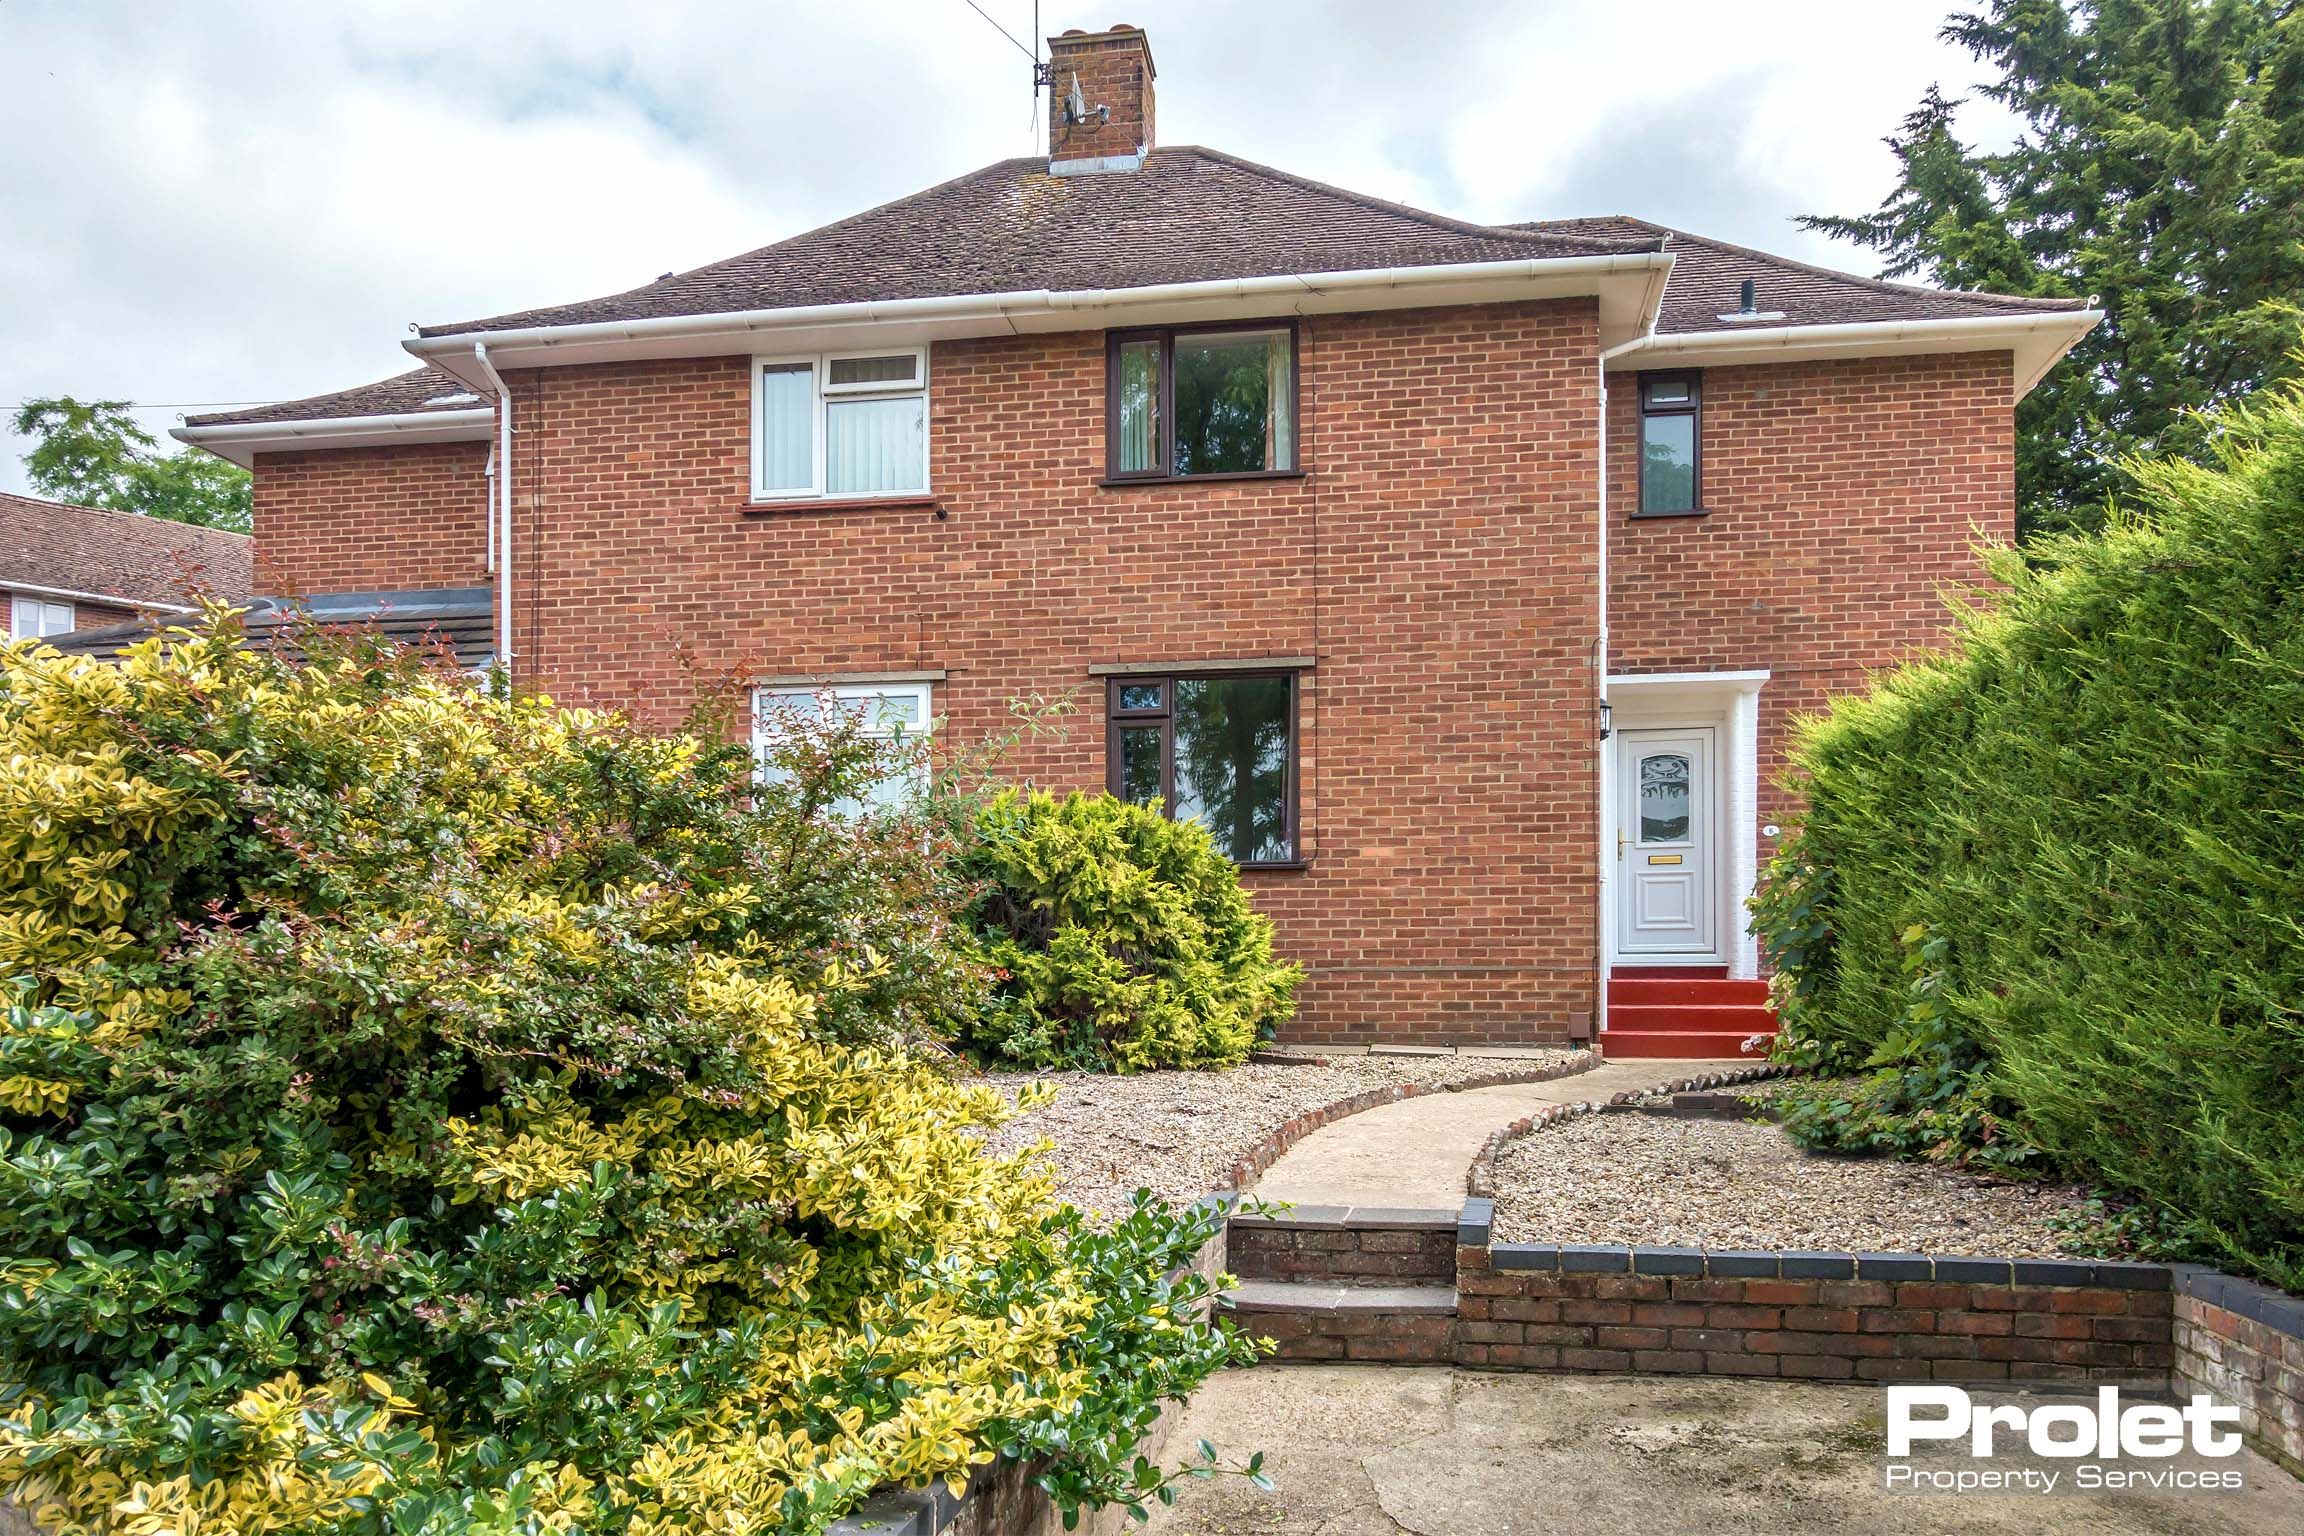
(1607, 721)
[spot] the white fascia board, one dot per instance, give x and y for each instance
(1629, 288)
(241, 441)
(2037, 341)
(107, 599)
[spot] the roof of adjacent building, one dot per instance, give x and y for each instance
(455, 618)
(1708, 278)
(120, 555)
(417, 391)
(1188, 214)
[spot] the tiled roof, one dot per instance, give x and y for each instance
(1188, 215)
(456, 617)
(415, 392)
(1708, 278)
(118, 554)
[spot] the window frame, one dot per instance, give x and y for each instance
(822, 394)
(840, 693)
(1166, 336)
(1694, 411)
(17, 601)
(1117, 720)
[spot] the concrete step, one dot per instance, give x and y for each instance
(1345, 1245)
(1401, 1325)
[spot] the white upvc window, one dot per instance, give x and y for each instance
(840, 425)
(31, 618)
(892, 712)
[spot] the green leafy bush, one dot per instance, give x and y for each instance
(2048, 886)
(423, 1112)
(1121, 939)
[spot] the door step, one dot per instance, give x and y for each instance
(1679, 1045)
(1624, 990)
(1398, 1325)
(1689, 1017)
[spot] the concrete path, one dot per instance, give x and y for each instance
(1415, 1153)
(1361, 1450)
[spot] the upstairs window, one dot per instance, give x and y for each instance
(33, 618)
(1671, 444)
(1220, 751)
(840, 425)
(1184, 403)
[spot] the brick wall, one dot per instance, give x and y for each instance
(86, 615)
(1437, 560)
(1843, 499)
(372, 519)
(2243, 1343)
(1408, 1250)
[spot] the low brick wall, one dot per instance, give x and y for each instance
(1830, 1317)
(2243, 1343)
(1346, 1247)
(1402, 1331)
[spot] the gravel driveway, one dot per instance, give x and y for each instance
(1179, 1133)
(1742, 1184)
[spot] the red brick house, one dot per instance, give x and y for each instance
(65, 568)
(1461, 577)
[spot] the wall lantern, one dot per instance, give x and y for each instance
(1607, 721)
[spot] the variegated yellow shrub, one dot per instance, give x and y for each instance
(423, 1111)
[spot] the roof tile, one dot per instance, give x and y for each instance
(118, 554)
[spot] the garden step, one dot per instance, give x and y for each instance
(1749, 1017)
(1667, 972)
(1656, 989)
(1379, 1246)
(1406, 1325)
(1679, 1045)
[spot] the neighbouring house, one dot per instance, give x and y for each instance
(65, 568)
(1462, 578)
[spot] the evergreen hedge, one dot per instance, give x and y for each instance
(1122, 940)
(2048, 887)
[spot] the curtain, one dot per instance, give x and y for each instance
(875, 445)
(787, 430)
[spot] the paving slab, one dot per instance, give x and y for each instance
(1383, 1450)
(1416, 1152)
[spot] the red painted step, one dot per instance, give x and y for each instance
(1675, 1045)
(1643, 989)
(1668, 973)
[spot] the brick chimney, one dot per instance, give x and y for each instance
(1114, 68)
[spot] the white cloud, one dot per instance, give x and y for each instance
(251, 199)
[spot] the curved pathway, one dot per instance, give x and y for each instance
(1417, 1152)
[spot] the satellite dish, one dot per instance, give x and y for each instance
(1075, 104)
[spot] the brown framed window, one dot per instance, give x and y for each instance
(1200, 402)
(1219, 750)
(1671, 444)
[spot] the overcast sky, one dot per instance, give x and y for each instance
(243, 200)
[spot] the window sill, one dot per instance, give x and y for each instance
(1122, 482)
(1277, 867)
(1650, 517)
(921, 500)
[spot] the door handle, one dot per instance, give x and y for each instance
(1619, 843)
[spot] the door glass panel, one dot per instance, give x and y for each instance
(1140, 765)
(1664, 798)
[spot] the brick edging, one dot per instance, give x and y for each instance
(1270, 1148)
(1480, 1181)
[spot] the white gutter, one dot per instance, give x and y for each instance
(2037, 341)
(108, 599)
(1014, 310)
(501, 485)
(241, 441)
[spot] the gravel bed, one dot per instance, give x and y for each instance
(1179, 1133)
(1743, 1184)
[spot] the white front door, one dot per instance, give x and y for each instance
(1667, 876)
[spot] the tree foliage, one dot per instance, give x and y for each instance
(2160, 172)
(2046, 890)
(428, 1112)
(93, 454)
(1121, 939)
